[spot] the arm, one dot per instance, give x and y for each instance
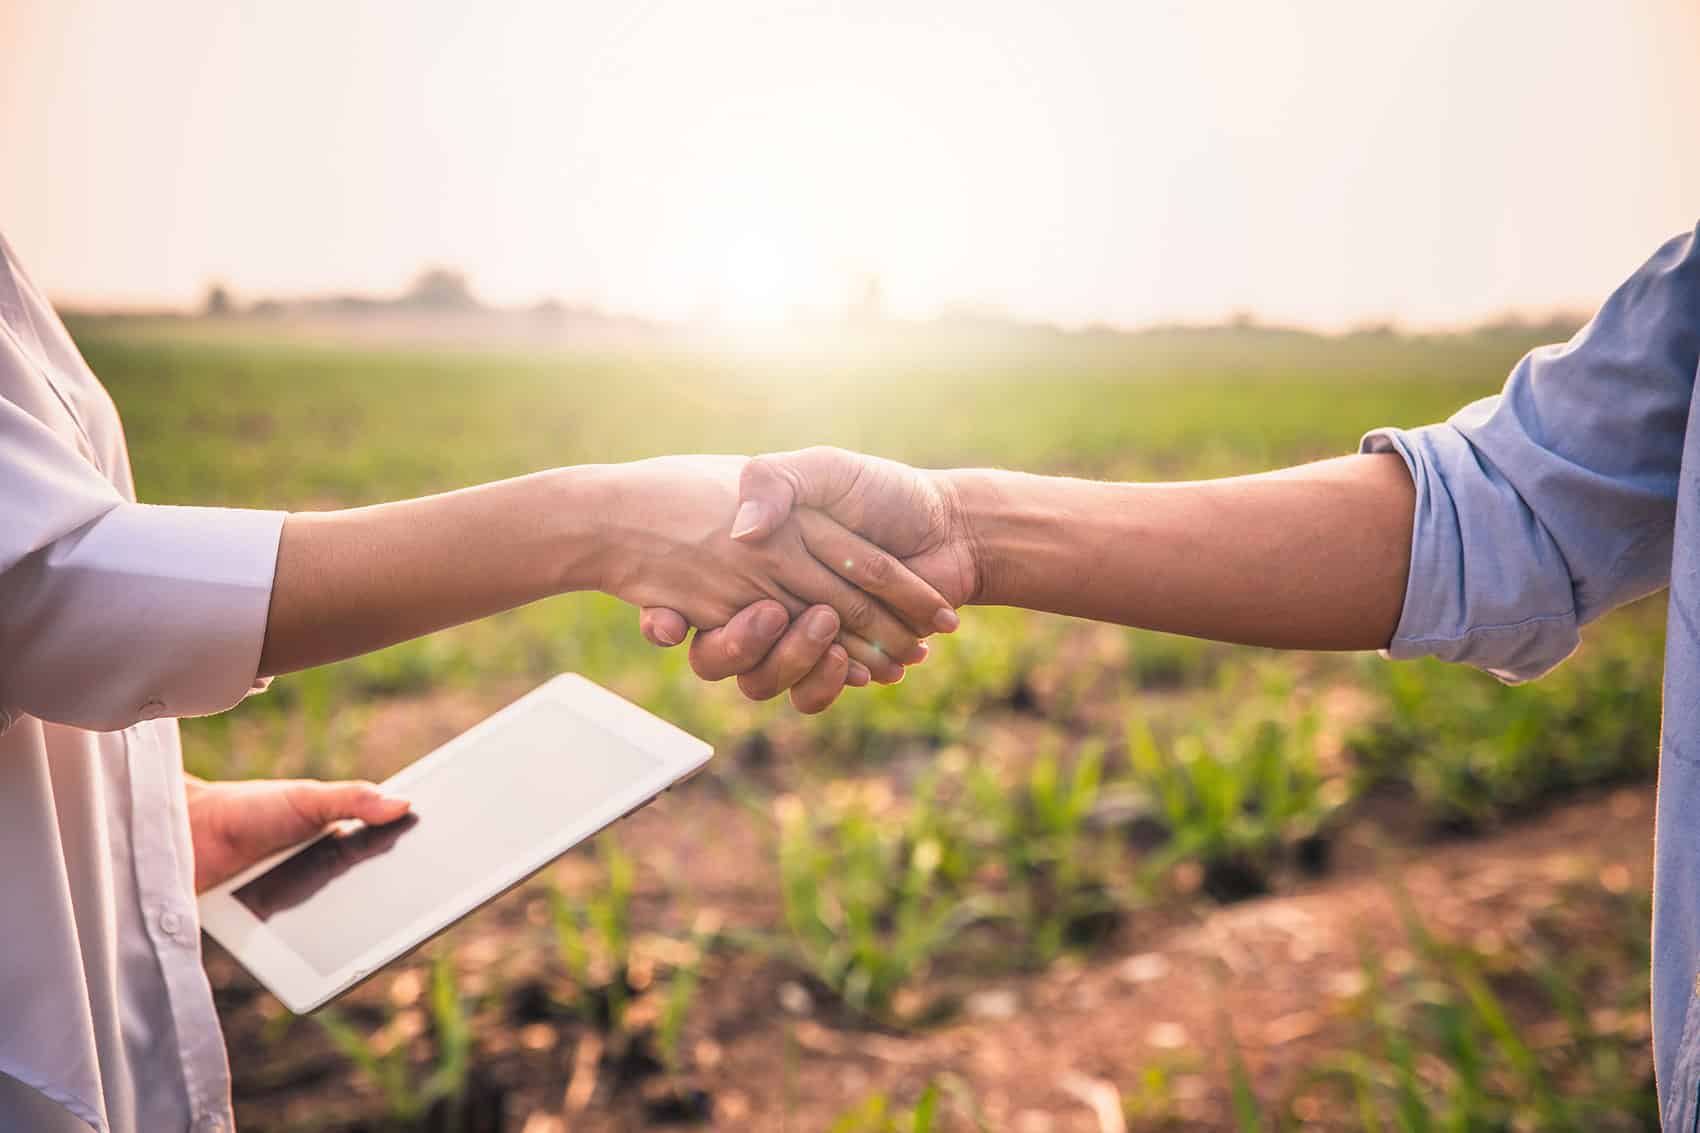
(1307, 558)
(112, 611)
(650, 532)
(1488, 539)
(352, 581)
(349, 582)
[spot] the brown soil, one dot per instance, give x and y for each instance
(1037, 1051)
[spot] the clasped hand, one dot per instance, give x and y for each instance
(833, 569)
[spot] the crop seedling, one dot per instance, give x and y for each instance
(863, 898)
(385, 1058)
(593, 940)
(878, 1114)
(678, 1100)
(1447, 1046)
(1473, 750)
(1151, 1102)
(1058, 874)
(1237, 800)
(637, 990)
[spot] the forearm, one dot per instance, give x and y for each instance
(1313, 557)
(352, 581)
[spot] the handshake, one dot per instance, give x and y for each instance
(802, 572)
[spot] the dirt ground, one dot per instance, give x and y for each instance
(1042, 1052)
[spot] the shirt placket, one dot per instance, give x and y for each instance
(173, 928)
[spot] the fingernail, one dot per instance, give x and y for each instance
(747, 520)
(770, 621)
(946, 621)
(822, 625)
(668, 635)
(396, 801)
(858, 676)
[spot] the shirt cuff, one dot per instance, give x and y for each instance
(1479, 591)
(187, 594)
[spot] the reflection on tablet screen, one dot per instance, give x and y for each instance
(477, 818)
(295, 879)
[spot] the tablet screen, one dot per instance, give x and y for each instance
(474, 816)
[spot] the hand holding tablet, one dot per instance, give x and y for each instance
(489, 809)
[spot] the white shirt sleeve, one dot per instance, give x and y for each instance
(111, 611)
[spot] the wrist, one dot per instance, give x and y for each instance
(1012, 534)
(970, 498)
(579, 510)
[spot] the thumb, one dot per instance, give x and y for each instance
(770, 486)
(663, 627)
(324, 803)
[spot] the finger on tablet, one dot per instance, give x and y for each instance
(663, 627)
(322, 803)
(877, 572)
(741, 644)
(796, 655)
(822, 684)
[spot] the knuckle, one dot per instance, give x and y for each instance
(706, 667)
(758, 686)
(878, 569)
(858, 613)
(809, 703)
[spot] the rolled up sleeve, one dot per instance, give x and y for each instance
(1541, 508)
(111, 611)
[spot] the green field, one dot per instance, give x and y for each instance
(216, 418)
(1035, 795)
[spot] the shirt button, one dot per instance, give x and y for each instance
(170, 923)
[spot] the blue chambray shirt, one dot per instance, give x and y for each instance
(1575, 490)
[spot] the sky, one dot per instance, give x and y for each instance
(1313, 162)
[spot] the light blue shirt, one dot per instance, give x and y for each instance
(1573, 491)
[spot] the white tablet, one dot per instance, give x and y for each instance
(490, 808)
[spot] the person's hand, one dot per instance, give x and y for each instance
(233, 825)
(768, 651)
(910, 513)
(669, 546)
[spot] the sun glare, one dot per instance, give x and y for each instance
(759, 283)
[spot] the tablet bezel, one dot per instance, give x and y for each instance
(301, 988)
